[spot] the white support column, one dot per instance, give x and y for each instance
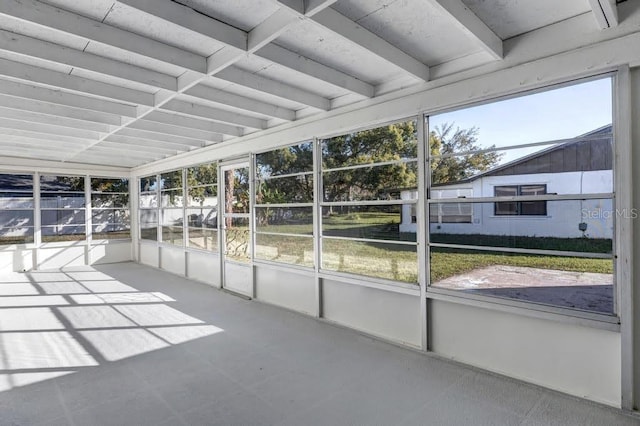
(317, 225)
(423, 225)
(88, 219)
(134, 217)
(623, 169)
(37, 220)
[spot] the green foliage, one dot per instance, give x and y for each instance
(443, 140)
(390, 143)
(202, 181)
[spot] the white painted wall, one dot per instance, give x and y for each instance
(581, 361)
(290, 289)
(562, 217)
(204, 267)
(387, 314)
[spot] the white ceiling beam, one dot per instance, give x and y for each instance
(351, 31)
(54, 53)
(125, 141)
(605, 12)
(314, 6)
(162, 137)
(139, 147)
(58, 111)
(35, 117)
(473, 26)
(270, 29)
(28, 91)
(82, 85)
(70, 23)
(175, 131)
(9, 123)
(47, 137)
(111, 160)
(193, 123)
(188, 18)
(215, 114)
(9, 140)
(291, 60)
(110, 151)
(247, 104)
(273, 87)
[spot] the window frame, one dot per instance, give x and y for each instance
(518, 204)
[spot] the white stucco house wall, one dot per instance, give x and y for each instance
(582, 166)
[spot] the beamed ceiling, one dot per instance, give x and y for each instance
(128, 82)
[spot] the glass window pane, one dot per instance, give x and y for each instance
(10, 219)
(284, 161)
(49, 183)
(285, 249)
(62, 200)
(172, 198)
(148, 200)
(374, 183)
(16, 235)
(171, 180)
(290, 220)
(547, 164)
(205, 217)
(109, 185)
(203, 239)
(62, 217)
(293, 189)
(109, 200)
(148, 183)
(18, 183)
(382, 260)
(149, 231)
(63, 233)
(238, 239)
(370, 222)
(387, 143)
(569, 282)
(16, 200)
(203, 196)
(148, 216)
(111, 232)
(172, 235)
(237, 190)
(203, 174)
(110, 217)
(571, 225)
(566, 112)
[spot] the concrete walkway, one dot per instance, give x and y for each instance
(129, 345)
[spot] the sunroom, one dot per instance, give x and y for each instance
(451, 180)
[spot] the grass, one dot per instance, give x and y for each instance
(400, 262)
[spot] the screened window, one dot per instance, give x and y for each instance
(110, 208)
(148, 208)
(549, 243)
(364, 176)
(16, 209)
(284, 205)
(62, 208)
(520, 208)
(171, 208)
(202, 207)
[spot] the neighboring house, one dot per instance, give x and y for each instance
(581, 166)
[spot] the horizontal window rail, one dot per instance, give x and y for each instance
(589, 255)
(545, 197)
(369, 165)
(371, 240)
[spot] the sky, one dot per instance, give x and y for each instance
(555, 114)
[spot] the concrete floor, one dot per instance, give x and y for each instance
(129, 345)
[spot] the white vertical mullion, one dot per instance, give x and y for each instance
(252, 217)
(623, 166)
(159, 220)
(87, 219)
(37, 220)
(134, 215)
(317, 226)
(185, 221)
(422, 223)
(221, 219)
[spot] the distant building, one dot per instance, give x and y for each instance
(582, 166)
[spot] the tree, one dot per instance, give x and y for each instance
(392, 143)
(444, 141)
